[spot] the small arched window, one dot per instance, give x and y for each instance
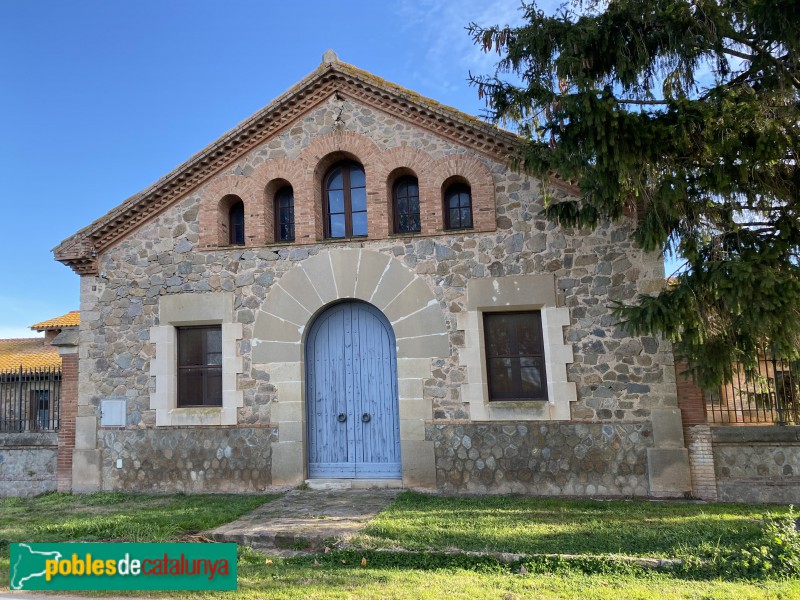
(345, 201)
(284, 215)
(458, 206)
(406, 205)
(236, 224)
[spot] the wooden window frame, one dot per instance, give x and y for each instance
(205, 367)
(277, 213)
(396, 209)
(518, 396)
(233, 226)
(348, 206)
(457, 187)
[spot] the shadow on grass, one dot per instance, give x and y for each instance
(532, 526)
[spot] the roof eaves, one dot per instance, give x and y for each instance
(82, 236)
(79, 250)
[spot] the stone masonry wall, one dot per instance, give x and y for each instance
(757, 464)
(27, 463)
(564, 459)
(619, 378)
(187, 460)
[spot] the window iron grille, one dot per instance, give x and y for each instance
(30, 400)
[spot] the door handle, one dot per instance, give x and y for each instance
(366, 418)
(341, 418)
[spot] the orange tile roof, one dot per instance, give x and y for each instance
(71, 319)
(30, 353)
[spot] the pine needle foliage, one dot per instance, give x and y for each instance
(687, 111)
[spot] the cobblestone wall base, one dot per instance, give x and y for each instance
(757, 464)
(564, 459)
(27, 464)
(188, 460)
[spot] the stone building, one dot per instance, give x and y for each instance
(353, 284)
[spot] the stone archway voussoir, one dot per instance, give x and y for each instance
(283, 305)
(371, 268)
(319, 271)
(297, 284)
(411, 299)
(344, 264)
(393, 281)
(427, 321)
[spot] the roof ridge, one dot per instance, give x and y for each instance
(79, 250)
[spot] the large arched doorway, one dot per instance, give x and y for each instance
(351, 394)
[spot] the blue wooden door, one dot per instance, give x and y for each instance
(351, 394)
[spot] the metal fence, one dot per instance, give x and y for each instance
(30, 400)
(768, 396)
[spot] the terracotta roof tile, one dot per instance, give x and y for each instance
(71, 319)
(30, 353)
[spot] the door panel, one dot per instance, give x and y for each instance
(353, 425)
(326, 398)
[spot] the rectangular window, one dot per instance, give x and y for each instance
(515, 356)
(199, 366)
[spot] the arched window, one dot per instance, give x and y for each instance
(457, 206)
(284, 215)
(345, 201)
(236, 223)
(406, 205)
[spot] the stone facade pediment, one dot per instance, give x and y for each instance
(331, 81)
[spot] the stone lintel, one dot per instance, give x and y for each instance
(195, 309)
(503, 293)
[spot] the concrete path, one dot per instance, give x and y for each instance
(306, 519)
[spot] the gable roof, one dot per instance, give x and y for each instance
(71, 319)
(332, 76)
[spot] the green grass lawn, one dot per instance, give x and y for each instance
(536, 525)
(423, 522)
(116, 516)
(298, 579)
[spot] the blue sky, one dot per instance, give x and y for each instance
(99, 98)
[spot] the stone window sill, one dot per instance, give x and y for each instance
(519, 404)
(354, 238)
(196, 415)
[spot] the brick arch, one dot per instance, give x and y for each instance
(325, 151)
(469, 169)
(211, 217)
(268, 178)
(395, 163)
